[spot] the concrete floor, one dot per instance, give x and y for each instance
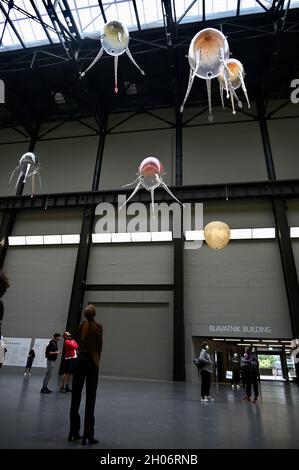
(136, 414)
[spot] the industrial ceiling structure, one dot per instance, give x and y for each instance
(45, 44)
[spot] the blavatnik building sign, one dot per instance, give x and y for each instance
(257, 329)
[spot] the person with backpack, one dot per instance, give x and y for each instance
(51, 354)
(205, 365)
(4, 285)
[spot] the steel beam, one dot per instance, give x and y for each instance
(102, 10)
(282, 229)
(178, 244)
(258, 190)
(11, 24)
(41, 21)
(79, 280)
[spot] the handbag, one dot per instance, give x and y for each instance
(229, 374)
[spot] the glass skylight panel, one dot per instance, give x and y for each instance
(150, 13)
(89, 20)
(220, 8)
(126, 13)
(110, 10)
(9, 37)
(194, 14)
(25, 5)
(251, 6)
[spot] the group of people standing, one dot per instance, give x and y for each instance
(247, 369)
(82, 360)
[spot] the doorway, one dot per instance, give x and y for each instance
(270, 366)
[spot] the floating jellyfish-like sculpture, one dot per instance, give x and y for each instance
(150, 176)
(208, 55)
(28, 167)
(230, 79)
(115, 41)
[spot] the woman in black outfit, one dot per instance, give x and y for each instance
(4, 285)
(90, 340)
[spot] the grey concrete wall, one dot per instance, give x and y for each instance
(240, 286)
(48, 222)
(124, 152)
(284, 143)
(223, 153)
(295, 245)
(137, 339)
(245, 214)
(18, 134)
(36, 304)
(293, 212)
(132, 263)
(66, 165)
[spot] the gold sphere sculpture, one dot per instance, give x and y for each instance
(217, 234)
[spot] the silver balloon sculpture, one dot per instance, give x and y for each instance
(232, 81)
(150, 176)
(209, 58)
(115, 41)
(28, 167)
(208, 53)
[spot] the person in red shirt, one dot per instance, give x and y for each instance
(70, 358)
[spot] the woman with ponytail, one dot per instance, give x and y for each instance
(90, 341)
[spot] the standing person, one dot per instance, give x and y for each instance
(252, 374)
(4, 285)
(70, 353)
(206, 369)
(90, 340)
(244, 368)
(295, 356)
(3, 350)
(236, 371)
(52, 353)
(30, 359)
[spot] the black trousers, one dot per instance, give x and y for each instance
(297, 372)
(85, 370)
(251, 379)
(236, 377)
(205, 383)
